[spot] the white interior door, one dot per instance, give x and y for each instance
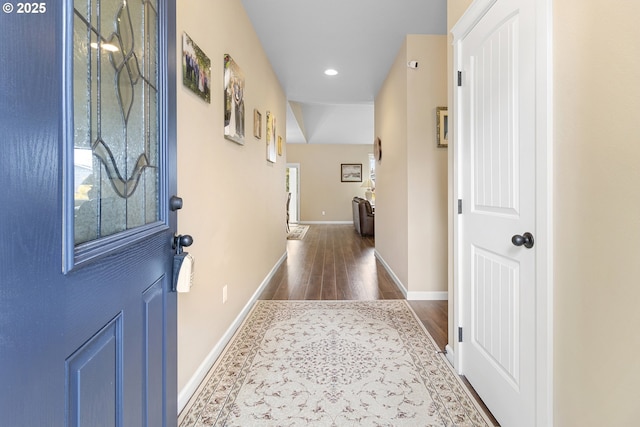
(498, 186)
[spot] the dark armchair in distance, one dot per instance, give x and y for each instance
(363, 217)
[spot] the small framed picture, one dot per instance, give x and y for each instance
(279, 145)
(257, 123)
(442, 126)
(351, 172)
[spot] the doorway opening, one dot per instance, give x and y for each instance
(293, 187)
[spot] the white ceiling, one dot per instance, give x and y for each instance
(359, 38)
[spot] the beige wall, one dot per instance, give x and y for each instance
(391, 171)
(597, 212)
(234, 200)
(320, 186)
(426, 165)
(411, 190)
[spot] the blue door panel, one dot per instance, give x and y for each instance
(94, 379)
(95, 345)
(29, 183)
(153, 345)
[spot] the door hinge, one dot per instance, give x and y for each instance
(459, 206)
(459, 78)
(460, 334)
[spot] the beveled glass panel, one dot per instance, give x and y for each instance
(115, 116)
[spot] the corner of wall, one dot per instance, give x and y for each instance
(411, 187)
(391, 183)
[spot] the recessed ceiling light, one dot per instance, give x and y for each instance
(331, 72)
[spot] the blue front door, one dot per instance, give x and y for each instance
(87, 168)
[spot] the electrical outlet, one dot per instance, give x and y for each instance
(224, 294)
(322, 213)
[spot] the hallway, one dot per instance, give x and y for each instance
(333, 262)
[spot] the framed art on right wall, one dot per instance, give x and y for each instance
(351, 172)
(442, 127)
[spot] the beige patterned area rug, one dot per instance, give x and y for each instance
(332, 363)
(297, 232)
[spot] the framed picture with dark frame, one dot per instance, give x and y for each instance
(351, 172)
(442, 126)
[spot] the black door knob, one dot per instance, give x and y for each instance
(525, 240)
(185, 240)
(181, 241)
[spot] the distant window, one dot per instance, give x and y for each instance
(372, 167)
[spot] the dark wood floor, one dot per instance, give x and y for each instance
(333, 262)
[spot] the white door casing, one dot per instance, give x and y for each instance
(501, 173)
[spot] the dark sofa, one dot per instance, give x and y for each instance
(363, 216)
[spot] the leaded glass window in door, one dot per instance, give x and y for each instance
(115, 113)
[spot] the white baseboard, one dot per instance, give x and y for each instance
(411, 295)
(428, 296)
(326, 222)
(196, 379)
(395, 278)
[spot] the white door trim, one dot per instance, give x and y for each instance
(544, 201)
